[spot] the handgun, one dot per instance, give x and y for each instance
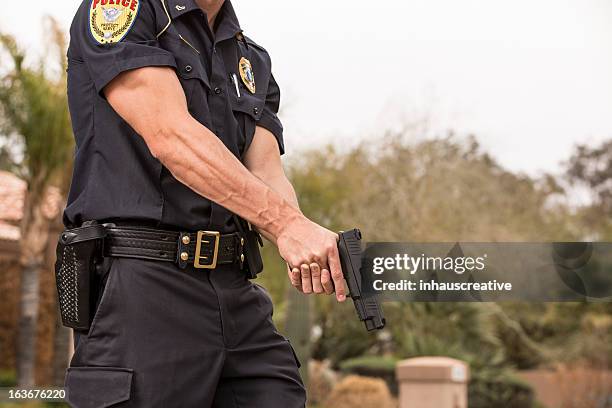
(367, 306)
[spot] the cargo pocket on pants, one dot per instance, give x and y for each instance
(98, 387)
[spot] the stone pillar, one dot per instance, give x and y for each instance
(432, 382)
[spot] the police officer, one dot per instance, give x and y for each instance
(174, 112)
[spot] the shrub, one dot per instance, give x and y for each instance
(364, 392)
(321, 381)
(499, 391)
(7, 378)
(373, 366)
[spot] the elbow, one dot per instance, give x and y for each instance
(157, 147)
(159, 139)
(164, 134)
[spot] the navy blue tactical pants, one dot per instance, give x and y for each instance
(166, 337)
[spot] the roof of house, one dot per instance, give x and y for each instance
(12, 195)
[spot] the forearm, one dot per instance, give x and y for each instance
(283, 187)
(191, 152)
(198, 159)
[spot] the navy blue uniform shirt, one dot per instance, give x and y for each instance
(229, 89)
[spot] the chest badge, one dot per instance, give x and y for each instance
(246, 73)
(111, 20)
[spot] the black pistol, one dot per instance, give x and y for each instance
(368, 308)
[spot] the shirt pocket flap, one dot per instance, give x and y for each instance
(191, 69)
(98, 387)
(189, 64)
(252, 105)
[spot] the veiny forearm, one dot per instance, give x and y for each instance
(263, 160)
(153, 103)
(191, 152)
(198, 159)
(283, 187)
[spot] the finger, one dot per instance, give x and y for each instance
(326, 282)
(315, 273)
(306, 280)
(295, 277)
(336, 274)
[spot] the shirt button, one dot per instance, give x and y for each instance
(218, 91)
(256, 110)
(188, 68)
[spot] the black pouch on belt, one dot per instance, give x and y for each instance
(79, 250)
(253, 264)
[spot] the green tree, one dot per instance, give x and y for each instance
(440, 190)
(34, 116)
(591, 167)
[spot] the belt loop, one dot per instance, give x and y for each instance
(182, 253)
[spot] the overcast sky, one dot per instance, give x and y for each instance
(529, 77)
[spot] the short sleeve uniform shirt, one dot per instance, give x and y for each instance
(227, 82)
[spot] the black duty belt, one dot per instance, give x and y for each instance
(202, 249)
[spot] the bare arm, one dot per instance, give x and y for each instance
(206, 166)
(152, 101)
(263, 160)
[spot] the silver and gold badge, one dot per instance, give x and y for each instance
(246, 73)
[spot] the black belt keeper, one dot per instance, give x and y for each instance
(251, 263)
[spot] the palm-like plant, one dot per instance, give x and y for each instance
(34, 114)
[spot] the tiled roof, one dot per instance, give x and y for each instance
(12, 193)
(9, 232)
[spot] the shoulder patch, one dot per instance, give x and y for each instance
(111, 20)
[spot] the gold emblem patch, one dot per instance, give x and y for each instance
(111, 20)
(246, 73)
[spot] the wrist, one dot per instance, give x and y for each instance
(287, 217)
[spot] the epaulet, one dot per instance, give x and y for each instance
(250, 42)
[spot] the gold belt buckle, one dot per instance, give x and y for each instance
(204, 237)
